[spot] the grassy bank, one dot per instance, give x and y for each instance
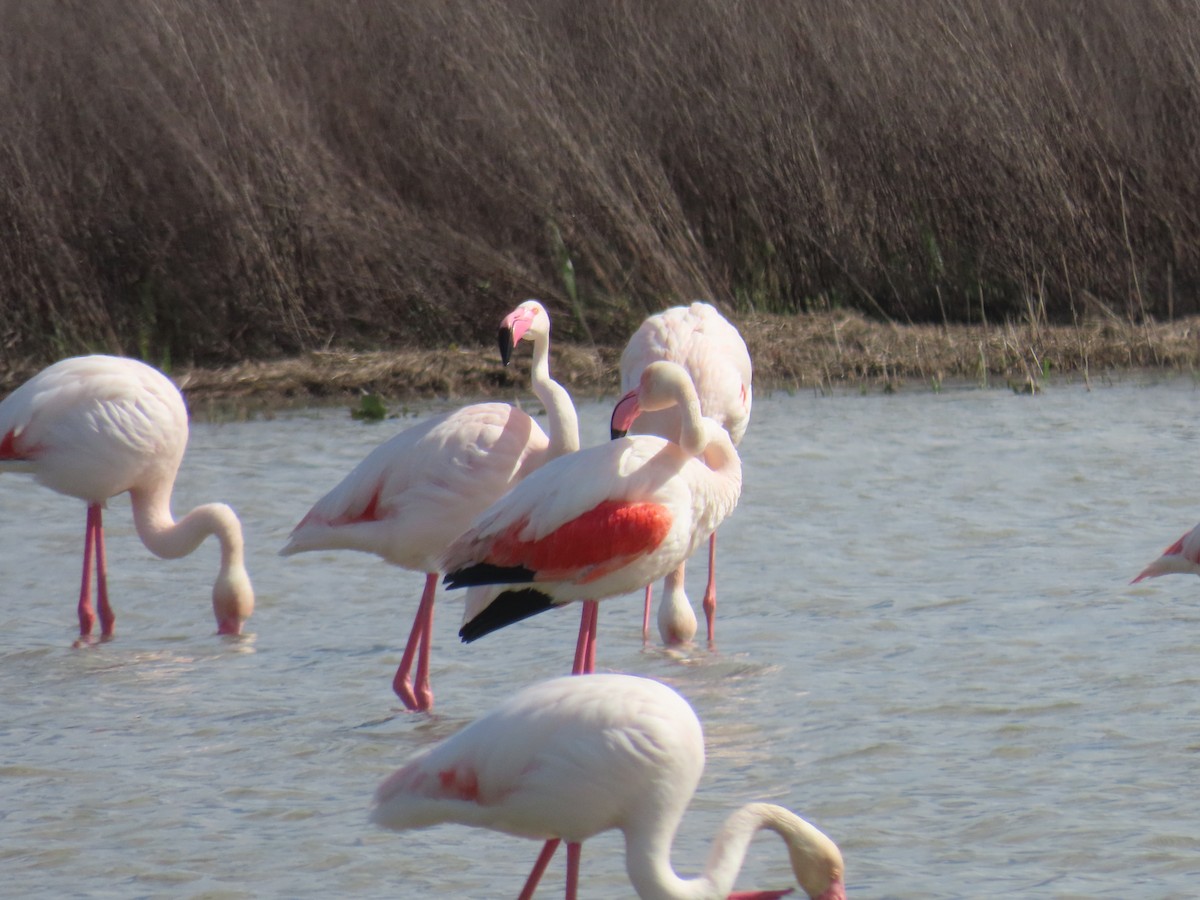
(816, 352)
(206, 183)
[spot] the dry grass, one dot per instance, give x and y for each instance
(822, 352)
(208, 183)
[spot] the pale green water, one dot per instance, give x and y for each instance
(927, 645)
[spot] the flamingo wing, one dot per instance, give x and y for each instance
(413, 494)
(569, 757)
(92, 426)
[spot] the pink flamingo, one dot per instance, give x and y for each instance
(94, 427)
(712, 351)
(412, 495)
(603, 521)
(1182, 557)
(575, 756)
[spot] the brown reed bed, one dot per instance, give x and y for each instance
(204, 183)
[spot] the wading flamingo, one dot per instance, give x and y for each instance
(415, 493)
(604, 521)
(1182, 558)
(572, 757)
(94, 427)
(712, 351)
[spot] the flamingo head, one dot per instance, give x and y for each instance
(662, 385)
(529, 320)
(233, 600)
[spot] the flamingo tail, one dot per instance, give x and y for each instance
(509, 607)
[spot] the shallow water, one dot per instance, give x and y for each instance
(927, 645)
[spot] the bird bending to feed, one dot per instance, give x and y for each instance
(1182, 558)
(415, 493)
(604, 521)
(572, 757)
(712, 351)
(94, 427)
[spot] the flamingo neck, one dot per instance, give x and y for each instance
(561, 417)
(233, 597)
(816, 861)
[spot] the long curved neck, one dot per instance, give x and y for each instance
(560, 411)
(647, 856)
(166, 538)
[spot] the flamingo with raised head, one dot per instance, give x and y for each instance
(604, 521)
(572, 757)
(94, 427)
(415, 493)
(712, 351)
(1181, 558)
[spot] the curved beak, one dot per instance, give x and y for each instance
(507, 343)
(626, 410)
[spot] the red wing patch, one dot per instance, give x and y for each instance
(462, 785)
(8, 447)
(1175, 549)
(601, 539)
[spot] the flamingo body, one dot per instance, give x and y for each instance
(714, 354)
(712, 351)
(416, 492)
(601, 522)
(1182, 557)
(94, 427)
(576, 756)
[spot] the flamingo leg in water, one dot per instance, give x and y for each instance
(585, 644)
(573, 854)
(418, 639)
(646, 615)
(539, 867)
(710, 591)
(593, 627)
(87, 616)
(107, 618)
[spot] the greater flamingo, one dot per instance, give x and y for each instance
(412, 495)
(1182, 557)
(603, 521)
(712, 351)
(572, 757)
(94, 427)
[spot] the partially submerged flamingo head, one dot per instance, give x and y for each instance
(529, 319)
(233, 600)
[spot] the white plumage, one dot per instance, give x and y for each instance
(575, 756)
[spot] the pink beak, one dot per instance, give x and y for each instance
(512, 329)
(626, 410)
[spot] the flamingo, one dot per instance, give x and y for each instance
(603, 521)
(412, 495)
(1182, 557)
(712, 351)
(96, 426)
(572, 757)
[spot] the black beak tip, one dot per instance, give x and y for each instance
(614, 433)
(506, 345)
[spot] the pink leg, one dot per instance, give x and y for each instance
(423, 689)
(585, 644)
(87, 616)
(107, 618)
(646, 615)
(573, 854)
(417, 639)
(593, 626)
(539, 867)
(710, 591)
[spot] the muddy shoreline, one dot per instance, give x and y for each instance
(821, 352)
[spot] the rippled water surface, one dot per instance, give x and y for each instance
(927, 644)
